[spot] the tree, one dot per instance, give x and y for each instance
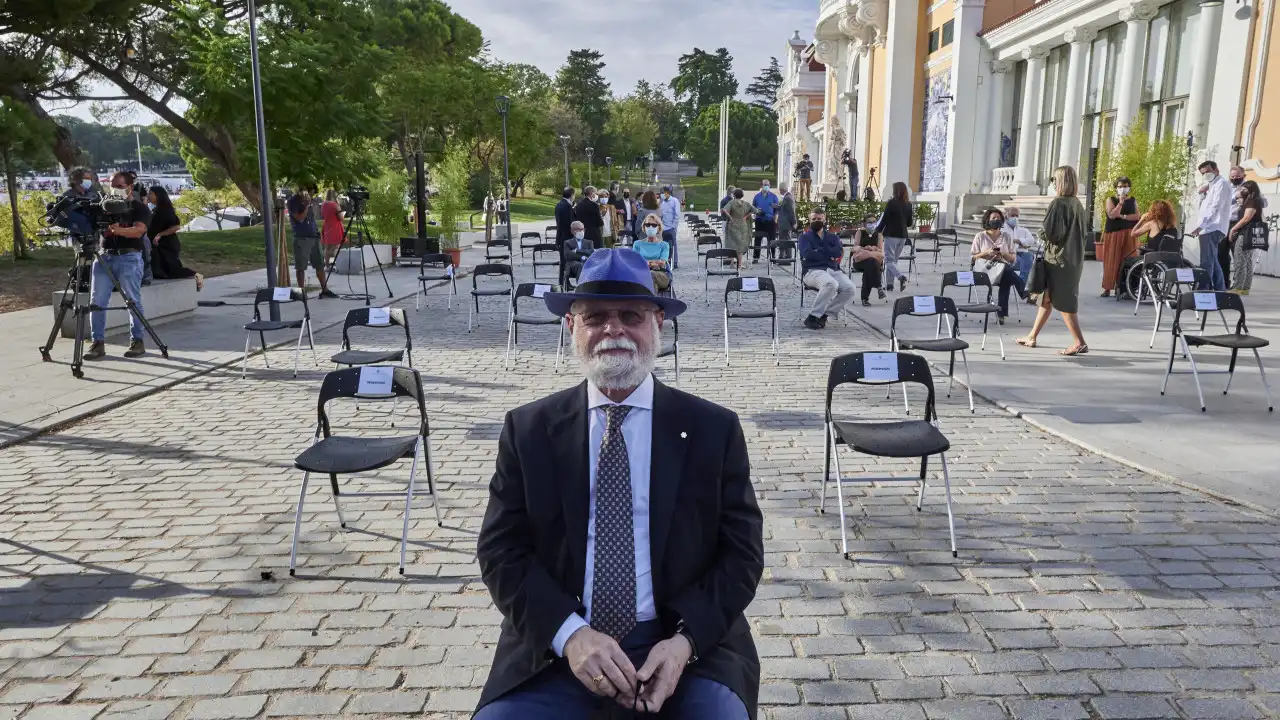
(214, 202)
(703, 81)
(631, 129)
(580, 85)
(669, 139)
(25, 141)
(753, 138)
(764, 88)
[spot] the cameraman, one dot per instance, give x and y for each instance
(306, 240)
(81, 182)
(138, 191)
(122, 255)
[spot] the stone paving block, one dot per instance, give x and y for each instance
(837, 693)
(34, 693)
(1132, 708)
(984, 685)
(307, 705)
(387, 703)
(911, 689)
(233, 708)
(140, 710)
(963, 710)
(887, 711)
(64, 712)
(1218, 708)
(1047, 710)
(779, 693)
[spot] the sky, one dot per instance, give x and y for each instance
(640, 40)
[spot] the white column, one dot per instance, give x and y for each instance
(963, 147)
(1203, 67)
(1072, 111)
(996, 120)
(1032, 99)
(1129, 95)
(899, 97)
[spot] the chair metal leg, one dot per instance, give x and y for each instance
(844, 536)
(417, 297)
(470, 312)
(951, 521)
(1156, 327)
(826, 466)
(337, 501)
(244, 365)
(1266, 387)
(560, 347)
(262, 338)
(677, 363)
(924, 482)
(1173, 347)
(1195, 373)
(297, 523)
(506, 361)
(726, 336)
(453, 292)
(431, 481)
(964, 359)
(1142, 287)
(297, 349)
(1231, 371)
(776, 360)
(906, 405)
(408, 504)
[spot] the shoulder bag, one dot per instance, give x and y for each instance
(1038, 278)
(1257, 235)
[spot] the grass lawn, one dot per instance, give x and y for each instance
(533, 208)
(701, 192)
(30, 283)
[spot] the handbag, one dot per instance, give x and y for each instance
(993, 268)
(1257, 236)
(1038, 278)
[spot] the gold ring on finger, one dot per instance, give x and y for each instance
(598, 680)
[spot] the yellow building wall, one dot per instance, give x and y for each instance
(1266, 142)
(913, 179)
(875, 127)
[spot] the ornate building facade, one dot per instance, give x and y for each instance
(799, 107)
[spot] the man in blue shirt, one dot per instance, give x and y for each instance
(669, 213)
(728, 197)
(820, 253)
(306, 241)
(766, 223)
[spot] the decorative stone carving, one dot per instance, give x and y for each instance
(1082, 35)
(1002, 66)
(1035, 53)
(826, 52)
(866, 22)
(835, 142)
(1138, 12)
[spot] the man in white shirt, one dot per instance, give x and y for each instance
(1025, 243)
(622, 541)
(1215, 218)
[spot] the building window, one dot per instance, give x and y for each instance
(1100, 99)
(948, 32)
(934, 38)
(1166, 78)
(1049, 132)
(1019, 89)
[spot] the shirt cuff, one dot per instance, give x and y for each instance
(570, 626)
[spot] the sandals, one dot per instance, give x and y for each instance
(1077, 350)
(1027, 342)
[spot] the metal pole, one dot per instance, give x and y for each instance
(264, 179)
(420, 193)
(137, 137)
(506, 176)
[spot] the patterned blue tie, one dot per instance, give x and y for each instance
(613, 584)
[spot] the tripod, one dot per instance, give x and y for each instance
(78, 281)
(358, 222)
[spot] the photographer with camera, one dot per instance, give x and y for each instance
(306, 241)
(121, 254)
(81, 183)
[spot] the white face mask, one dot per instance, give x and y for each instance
(764, 188)
(1209, 176)
(1122, 191)
(1013, 221)
(651, 231)
(151, 206)
(87, 184)
(579, 235)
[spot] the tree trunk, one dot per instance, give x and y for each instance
(11, 187)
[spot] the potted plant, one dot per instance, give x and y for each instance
(925, 216)
(453, 175)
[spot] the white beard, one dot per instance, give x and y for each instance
(617, 372)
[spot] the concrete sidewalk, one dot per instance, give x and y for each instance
(1109, 400)
(36, 396)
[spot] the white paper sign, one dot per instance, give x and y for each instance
(880, 367)
(375, 380)
(751, 284)
(1206, 301)
(541, 290)
(282, 294)
(924, 304)
(1186, 275)
(964, 278)
(379, 316)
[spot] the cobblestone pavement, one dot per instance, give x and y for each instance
(143, 561)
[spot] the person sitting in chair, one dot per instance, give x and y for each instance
(655, 251)
(577, 248)
(622, 541)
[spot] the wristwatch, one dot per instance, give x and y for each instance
(693, 646)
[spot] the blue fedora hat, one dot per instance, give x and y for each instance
(614, 274)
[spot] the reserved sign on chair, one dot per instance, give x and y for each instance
(880, 367)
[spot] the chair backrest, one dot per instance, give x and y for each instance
(967, 279)
(1198, 277)
(545, 248)
(492, 270)
(1168, 259)
(719, 253)
(499, 242)
(777, 245)
(746, 285)
(925, 306)
(949, 233)
(442, 260)
(891, 368)
(1208, 302)
(346, 383)
(269, 295)
(534, 235)
(364, 317)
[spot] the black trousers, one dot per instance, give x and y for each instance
(870, 269)
(765, 230)
(1224, 259)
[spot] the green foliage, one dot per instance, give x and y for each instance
(1157, 169)
(669, 139)
(631, 129)
(853, 212)
(387, 210)
(115, 146)
(24, 142)
(764, 88)
(753, 138)
(31, 206)
(451, 203)
(704, 80)
(580, 84)
(200, 201)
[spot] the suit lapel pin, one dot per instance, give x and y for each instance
(684, 435)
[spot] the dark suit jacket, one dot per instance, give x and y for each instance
(588, 213)
(564, 218)
(706, 534)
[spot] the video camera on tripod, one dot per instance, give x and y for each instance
(100, 211)
(357, 196)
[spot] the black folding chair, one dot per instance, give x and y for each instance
(751, 285)
(527, 317)
(335, 455)
(434, 268)
(932, 306)
(1172, 285)
(530, 240)
(706, 239)
(1151, 273)
(489, 270)
(721, 268)
(549, 233)
(374, 318)
(947, 238)
(497, 250)
(279, 296)
(926, 243)
(672, 348)
(545, 255)
(1235, 341)
(783, 254)
(898, 439)
(986, 308)
(626, 238)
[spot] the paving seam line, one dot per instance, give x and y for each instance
(62, 424)
(1158, 474)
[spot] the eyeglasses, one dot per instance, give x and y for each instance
(629, 318)
(650, 225)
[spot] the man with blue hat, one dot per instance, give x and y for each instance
(622, 540)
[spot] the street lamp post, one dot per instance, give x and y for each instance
(137, 138)
(564, 143)
(608, 162)
(264, 180)
(590, 152)
(504, 105)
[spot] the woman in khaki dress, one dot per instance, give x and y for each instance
(1063, 237)
(737, 231)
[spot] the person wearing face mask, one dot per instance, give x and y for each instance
(626, 210)
(121, 253)
(564, 217)
(993, 252)
(576, 249)
(1250, 212)
(587, 212)
(786, 216)
(766, 204)
(80, 184)
(737, 229)
(670, 215)
(655, 251)
(1024, 242)
(1211, 229)
(163, 230)
(820, 253)
(1118, 242)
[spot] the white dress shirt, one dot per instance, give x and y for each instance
(1023, 240)
(1215, 206)
(637, 432)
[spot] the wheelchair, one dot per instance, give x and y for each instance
(1135, 269)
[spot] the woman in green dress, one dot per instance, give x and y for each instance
(737, 230)
(1065, 224)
